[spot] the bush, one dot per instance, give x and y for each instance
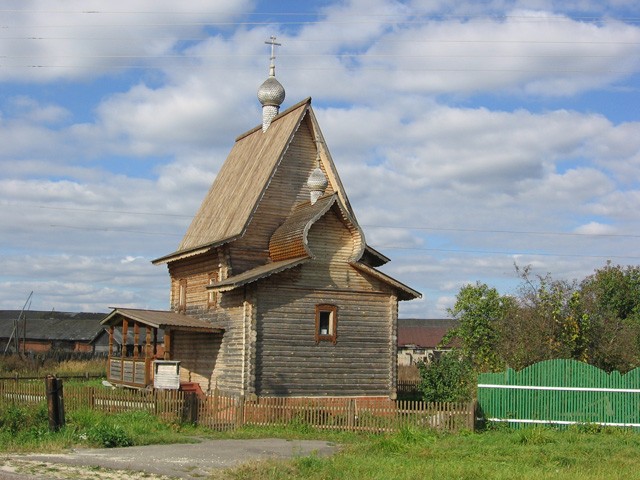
(109, 435)
(448, 379)
(13, 419)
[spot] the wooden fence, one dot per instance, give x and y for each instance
(560, 392)
(223, 412)
(408, 387)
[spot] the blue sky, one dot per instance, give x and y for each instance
(470, 136)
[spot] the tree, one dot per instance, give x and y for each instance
(548, 321)
(449, 379)
(611, 298)
(479, 310)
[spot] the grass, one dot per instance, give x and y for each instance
(26, 429)
(530, 453)
(35, 366)
(535, 453)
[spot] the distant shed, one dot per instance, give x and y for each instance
(45, 331)
(419, 339)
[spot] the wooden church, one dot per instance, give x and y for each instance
(274, 291)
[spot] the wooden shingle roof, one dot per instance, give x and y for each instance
(159, 319)
(256, 274)
(243, 180)
(290, 239)
(240, 183)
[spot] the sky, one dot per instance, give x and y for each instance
(471, 137)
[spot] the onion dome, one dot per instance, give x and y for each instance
(271, 92)
(317, 184)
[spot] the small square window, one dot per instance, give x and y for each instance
(326, 323)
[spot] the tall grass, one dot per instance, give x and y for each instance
(40, 366)
(26, 428)
(536, 453)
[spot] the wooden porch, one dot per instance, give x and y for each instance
(130, 362)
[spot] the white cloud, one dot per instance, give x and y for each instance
(80, 38)
(463, 190)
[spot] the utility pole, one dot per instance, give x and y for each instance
(15, 334)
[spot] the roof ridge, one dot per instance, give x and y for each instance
(280, 115)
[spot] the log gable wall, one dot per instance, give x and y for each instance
(287, 188)
(289, 361)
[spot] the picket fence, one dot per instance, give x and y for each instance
(223, 412)
(560, 392)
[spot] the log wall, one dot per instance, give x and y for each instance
(198, 354)
(226, 365)
(288, 361)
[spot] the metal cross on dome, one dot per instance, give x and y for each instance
(273, 43)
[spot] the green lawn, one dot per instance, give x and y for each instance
(537, 453)
(531, 453)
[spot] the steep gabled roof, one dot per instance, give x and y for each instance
(243, 180)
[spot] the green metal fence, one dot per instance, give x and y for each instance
(560, 392)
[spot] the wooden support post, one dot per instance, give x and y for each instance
(125, 334)
(155, 342)
(167, 344)
(111, 332)
(136, 340)
(55, 402)
(148, 357)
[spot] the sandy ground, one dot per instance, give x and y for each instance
(156, 462)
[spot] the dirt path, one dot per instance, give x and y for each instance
(158, 462)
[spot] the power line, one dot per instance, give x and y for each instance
(318, 69)
(306, 41)
(498, 252)
(419, 16)
(95, 210)
(516, 232)
(312, 55)
(386, 247)
(115, 230)
(390, 227)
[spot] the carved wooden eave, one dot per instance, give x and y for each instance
(192, 252)
(256, 274)
(404, 292)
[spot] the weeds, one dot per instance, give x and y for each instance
(109, 435)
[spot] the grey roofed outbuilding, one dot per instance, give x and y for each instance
(52, 325)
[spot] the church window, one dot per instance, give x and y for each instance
(326, 323)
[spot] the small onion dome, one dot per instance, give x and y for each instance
(317, 184)
(271, 92)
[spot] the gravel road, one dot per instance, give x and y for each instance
(155, 462)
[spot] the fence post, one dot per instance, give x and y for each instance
(240, 411)
(55, 402)
(472, 415)
(190, 407)
(351, 414)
